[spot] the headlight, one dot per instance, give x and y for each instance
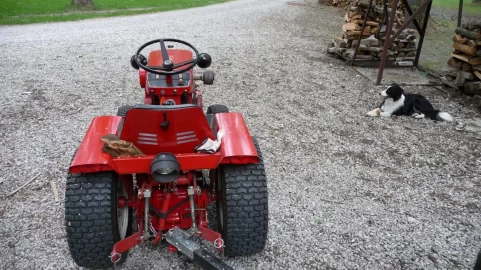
(165, 168)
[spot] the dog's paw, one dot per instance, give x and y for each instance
(419, 116)
(374, 113)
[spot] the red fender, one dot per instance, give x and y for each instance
(90, 157)
(237, 146)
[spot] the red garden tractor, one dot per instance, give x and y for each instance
(177, 173)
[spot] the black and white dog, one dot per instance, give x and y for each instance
(396, 102)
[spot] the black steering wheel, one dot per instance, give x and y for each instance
(168, 66)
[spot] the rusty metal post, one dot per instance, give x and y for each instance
(362, 31)
(387, 42)
(423, 33)
(460, 12)
(411, 18)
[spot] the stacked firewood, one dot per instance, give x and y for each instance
(374, 34)
(466, 59)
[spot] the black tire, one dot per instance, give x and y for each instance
(477, 265)
(242, 207)
(217, 108)
(208, 77)
(122, 110)
(91, 219)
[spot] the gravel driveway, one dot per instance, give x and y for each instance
(346, 191)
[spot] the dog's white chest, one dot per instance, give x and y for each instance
(391, 106)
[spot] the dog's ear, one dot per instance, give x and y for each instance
(395, 85)
(395, 91)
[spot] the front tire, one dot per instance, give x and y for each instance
(242, 207)
(217, 108)
(93, 221)
(122, 110)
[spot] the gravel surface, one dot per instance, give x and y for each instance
(346, 191)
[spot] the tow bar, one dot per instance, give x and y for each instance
(194, 251)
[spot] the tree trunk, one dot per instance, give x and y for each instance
(82, 3)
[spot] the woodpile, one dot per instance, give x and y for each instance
(466, 59)
(374, 35)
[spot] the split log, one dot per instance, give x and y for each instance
(356, 17)
(367, 30)
(470, 60)
(465, 49)
(411, 54)
(404, 58)
(374, 30)
(350, 27)
(467, 67)
(370, 41)
(478, 74)
(478, 67)
(471, 43)
(455, 63)
(478, 53)
(411, 45)
(407, 50)
(475, 35)
(459, 39)
(370, 49)
(410, 37)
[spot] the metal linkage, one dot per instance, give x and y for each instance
(388, 42)
(190, 192)
(183, 241)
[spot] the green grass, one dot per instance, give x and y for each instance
(468, 5)
(437, 45)
(36, 11)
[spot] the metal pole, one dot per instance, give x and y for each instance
(410, 11)
(362, 31)
(423, 33)
(411, 18)
(387, 42)
(460, 12)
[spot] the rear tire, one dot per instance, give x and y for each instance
(242, 207)
(92, 220)
(217, 108)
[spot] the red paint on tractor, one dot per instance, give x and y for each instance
(186, 128)
(176, 55)
(89, 156)
(236, 147)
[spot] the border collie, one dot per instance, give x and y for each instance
(396, 102)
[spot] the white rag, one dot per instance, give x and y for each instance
(209, 145)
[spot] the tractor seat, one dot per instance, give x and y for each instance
(167, 128)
